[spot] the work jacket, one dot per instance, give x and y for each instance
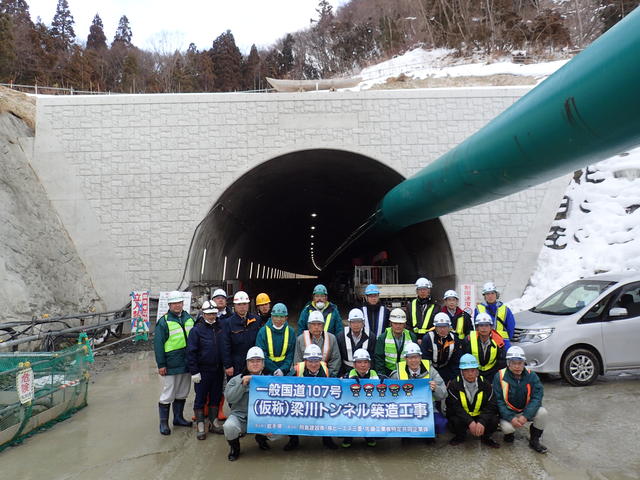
(521, 396)
(204, 347)
(461, 324)
(237, 396)
(420, 315)
(170, 341)
(491, 360)
(328, 346)
(482, 408)
(503, 320)
(238, 336)
(387, 354)
(278, 353)
(443, 352)
(331, 314)
(347, 346)
(427, 372)
(376, 318)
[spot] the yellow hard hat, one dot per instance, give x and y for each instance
(262, 298)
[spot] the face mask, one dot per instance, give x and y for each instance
(319, 305)
(276, 327)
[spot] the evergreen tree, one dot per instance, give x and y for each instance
(250, 70)
(62, 26)
(285, 63)
(227, 62)
(611, 12)
(7, 49)
(96, 40)
(123, 33)
(325, 14)
(18, 10)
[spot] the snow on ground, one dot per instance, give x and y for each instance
(420, 63)
(602, 230)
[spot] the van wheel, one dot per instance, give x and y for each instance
(580, 367)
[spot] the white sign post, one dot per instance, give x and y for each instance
(163, 305)
(24, 385)
(468, 298)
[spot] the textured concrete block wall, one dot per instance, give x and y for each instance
(132, 175)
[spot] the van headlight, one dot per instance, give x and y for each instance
(535, 335)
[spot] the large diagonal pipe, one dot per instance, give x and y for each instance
(585, 112)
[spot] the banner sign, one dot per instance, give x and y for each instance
(163, 306)
(468, 298)
(139, 312)
(340, 407)
(24, 385)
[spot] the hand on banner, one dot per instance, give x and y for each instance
(162, 371)
(278, 373)
(246, 379)
(196, 378)
(229, 371)
(433, 385)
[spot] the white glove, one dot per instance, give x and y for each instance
(196, 378)
(278, 373)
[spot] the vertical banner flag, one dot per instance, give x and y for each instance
(340, 407)
(139, 311)
(163, 306)
(468, 299)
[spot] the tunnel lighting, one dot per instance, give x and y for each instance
(312, 235)
(224, 269)
(311, 243)
(204, 258)
(238, 269)
(314, 215)
(250, 270)
(313, 227)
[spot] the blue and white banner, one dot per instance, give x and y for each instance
(340, 407)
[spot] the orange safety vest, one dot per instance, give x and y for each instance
(505, 391)
(299, 369)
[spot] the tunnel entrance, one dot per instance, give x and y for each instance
(273, 229)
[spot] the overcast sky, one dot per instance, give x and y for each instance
(159, 24)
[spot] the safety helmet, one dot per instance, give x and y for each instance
(262, 299)
(320, 290)
(372, 290)
(411, 348)
(175, 297)
(489, 287)
(315, 317)
(209, 307)
(279, 310)
(441, 319)
(450, 294)
(361, 354)
(423, 283)
(255, 352)
(516, 353)
(398, 316)
(312, 352)
(218, 292)
(240, 297)
(468, 361)
(356, 315)
(483, 318)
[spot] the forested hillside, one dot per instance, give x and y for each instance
(337, 43)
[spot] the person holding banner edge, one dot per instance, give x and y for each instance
(237, 395)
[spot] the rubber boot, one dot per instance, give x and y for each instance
(292, 444)
(178, 414)
(509, 437)
(201, 431)
(534, 440)
(163, 409)
(328, 443)
(234, 452)
(214, 426)
(262, 442)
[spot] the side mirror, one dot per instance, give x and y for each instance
(618, 312)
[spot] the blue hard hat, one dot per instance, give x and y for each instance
(279, 310)
(320, 290)
(468, 361)
(372, 290)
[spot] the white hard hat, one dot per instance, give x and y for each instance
(218, 292)
(312, 352)
(489, 287)
(450, 294)
(398, 316)
(361, 354)
(441, 319)
(516, 353)
(209, 307)
(411, 349)
(316, 317)
(483, 318)
(356, 315)
(240, 297)
(423, 283)
(175, 297)
(255, 352)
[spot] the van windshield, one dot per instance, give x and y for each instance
(573, 297)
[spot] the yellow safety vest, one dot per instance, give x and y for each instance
(299, 369)
(404, 375)
(414, 317)
(460, 327)
(285, 345)
(475, 351)
(177, 334)
(501, 314)
(372, 374)
(391, 353)
(327, 321)
(476, 408)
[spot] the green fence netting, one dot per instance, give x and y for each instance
(59, 379)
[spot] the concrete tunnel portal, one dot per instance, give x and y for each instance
(273, 229)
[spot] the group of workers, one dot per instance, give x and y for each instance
(478, 382)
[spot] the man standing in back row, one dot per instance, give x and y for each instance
(422, 309)
(320, 303)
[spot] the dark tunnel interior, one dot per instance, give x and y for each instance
(288, 215)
